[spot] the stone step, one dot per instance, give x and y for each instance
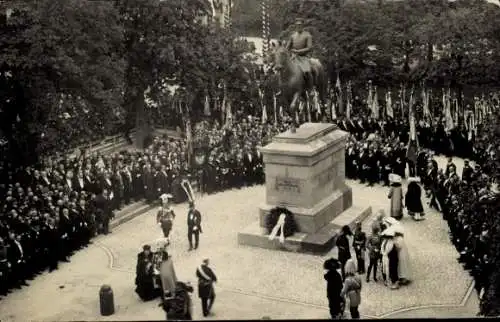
(130, 212)
(318, 243)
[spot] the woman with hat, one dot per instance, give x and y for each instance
(413, 199)
(145, 287)
(403, 257)
(390, 259)
(333, 287)
(396, 196)
(352, 288)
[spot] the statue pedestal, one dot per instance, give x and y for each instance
(305, 173)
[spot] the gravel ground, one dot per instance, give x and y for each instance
(253, 282)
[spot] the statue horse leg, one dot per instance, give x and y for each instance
(293, 111)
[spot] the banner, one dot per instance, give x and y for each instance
(411, 114)
(388, 104)
(338, 88)
(425, 103)
(263, 106)
(449, 123)
(369, 99)
(349, 100)
(275, 107)
(375, 106)
(229, 115)
(206, 109)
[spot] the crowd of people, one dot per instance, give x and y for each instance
(53, 209)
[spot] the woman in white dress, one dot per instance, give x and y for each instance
(403, 258)
(389, 259)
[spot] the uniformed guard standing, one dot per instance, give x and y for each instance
(165, 216)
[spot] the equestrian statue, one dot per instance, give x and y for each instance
(300, 76)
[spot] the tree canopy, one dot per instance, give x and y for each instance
(437, 41)
(50, 49)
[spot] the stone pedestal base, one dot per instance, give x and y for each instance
(317, 243)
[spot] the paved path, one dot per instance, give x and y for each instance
(253, 282)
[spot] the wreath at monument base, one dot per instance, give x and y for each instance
(289, 227)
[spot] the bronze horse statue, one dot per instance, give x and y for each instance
(294, 84)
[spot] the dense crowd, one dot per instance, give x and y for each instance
(49, 211)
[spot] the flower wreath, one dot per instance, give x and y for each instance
(289, 227)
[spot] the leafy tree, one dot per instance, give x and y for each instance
(165, 44)
(51, 48)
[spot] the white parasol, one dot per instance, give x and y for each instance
(393, 226)
(159, 243)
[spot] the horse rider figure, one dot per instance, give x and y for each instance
(300, 44)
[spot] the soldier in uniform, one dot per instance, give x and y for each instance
(300, 44)
(165, 216)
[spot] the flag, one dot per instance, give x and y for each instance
(338, 87)
(212, 5)
(403, 99)
(477, 110)
(189, 139)
(207, 106)
(425, 103)
(375, 106)
(275, 107)
(349, 100)
(263, 106)
(264, 114)
(333, 109)
(449, 125)
(369, 99)
(388, 104)
(411, 114)
(229, 115)
(223, 105)
(471, 124)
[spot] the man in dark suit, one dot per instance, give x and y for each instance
(15, 256)
(194, 226)
(148, 182)
(118, 190)
(206, 292)
(79, 182)
(137, 182)
(249, 165)
(89, 182)
(450, 167)
(101, 207)
(127, 184)
(467, 172)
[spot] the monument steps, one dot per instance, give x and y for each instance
(318, 243)
(130, 212)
